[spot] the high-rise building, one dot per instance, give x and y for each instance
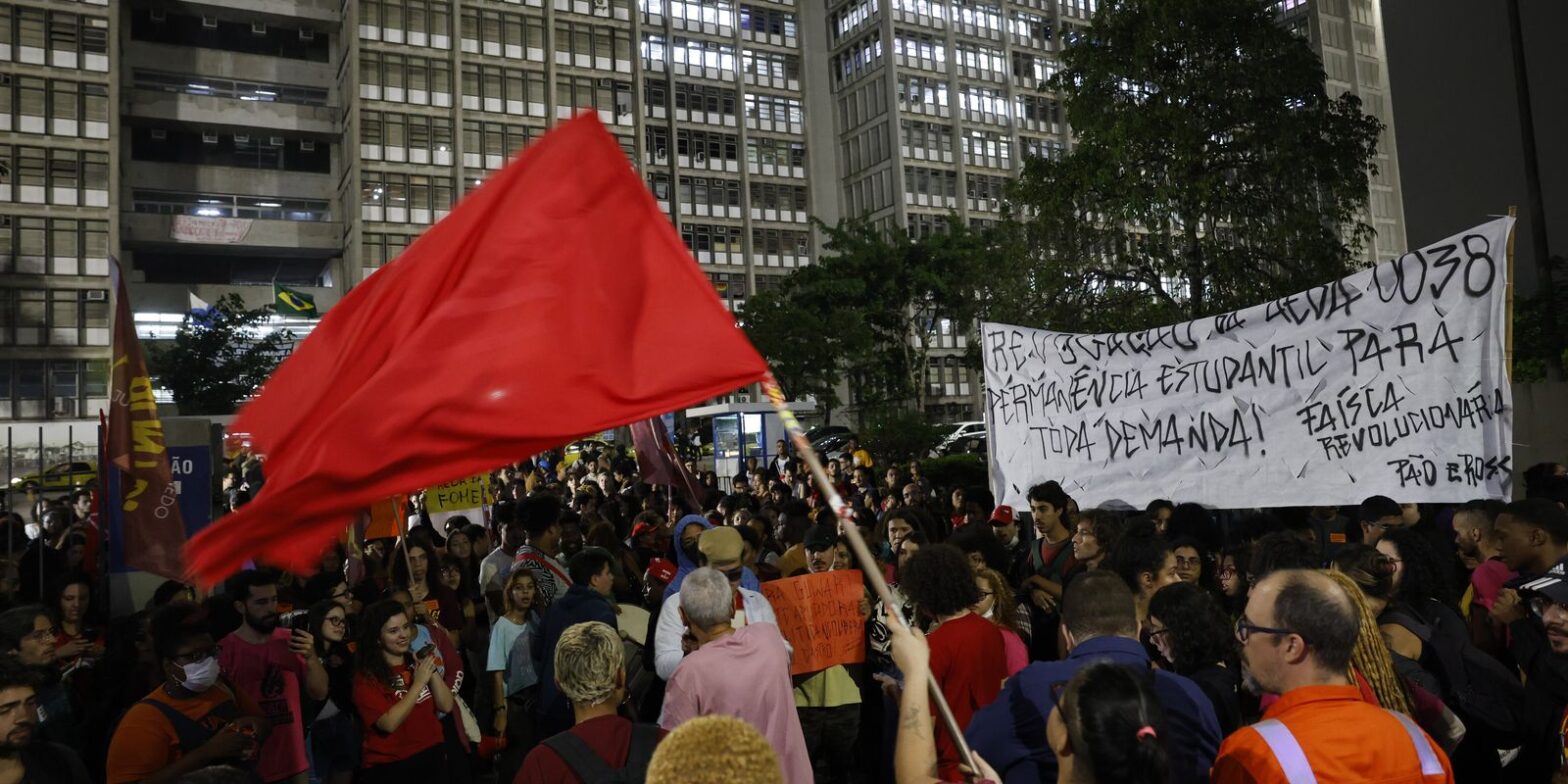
(218, 147)
(57, 219)
(221, 147)
(1348, 36)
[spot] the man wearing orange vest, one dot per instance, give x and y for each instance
(1296, 638)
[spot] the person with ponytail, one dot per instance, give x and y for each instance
(1108, 727)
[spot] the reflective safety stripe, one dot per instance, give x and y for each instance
(1430, 764)
(1287, 752)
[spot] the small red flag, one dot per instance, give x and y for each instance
(149, 508)
(659, 465)
(555, 301)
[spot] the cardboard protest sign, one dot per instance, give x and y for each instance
(463, 494)
(820, 616)
(1389, 382)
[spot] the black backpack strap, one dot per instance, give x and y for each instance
(580, 758)
(645, 737)
(191, 733)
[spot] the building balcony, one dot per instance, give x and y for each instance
(214, 111)
(275, 10)
(310, 238)
(220, 64)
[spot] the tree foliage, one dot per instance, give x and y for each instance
(219, 358)
(869, 312)
(1209, 170)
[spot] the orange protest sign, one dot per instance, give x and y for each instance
(820, 616)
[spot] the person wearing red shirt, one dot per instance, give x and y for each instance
(968, 655)
(1297, 635)
(590, 669)
(398, 696)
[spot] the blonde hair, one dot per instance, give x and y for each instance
(714, 750)
(1004, 610)
(514, 577)
(1370, 657)
(587, 659)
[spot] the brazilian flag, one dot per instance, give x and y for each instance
(287, 300)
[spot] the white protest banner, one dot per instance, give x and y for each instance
(190, 228)
(1388, 382)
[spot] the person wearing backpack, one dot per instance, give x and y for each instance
(194, 719)
(602, 747)
(1423, 624)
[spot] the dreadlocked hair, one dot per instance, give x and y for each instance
(1370, 657)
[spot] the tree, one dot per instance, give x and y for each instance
(1209, 170)
(219, 358)
(870, 311)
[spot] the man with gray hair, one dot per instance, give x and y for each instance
(591, 671)
(735, 672)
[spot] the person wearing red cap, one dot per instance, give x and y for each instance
(1004, 523)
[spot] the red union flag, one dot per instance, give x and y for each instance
(555, 301)
(153, 528)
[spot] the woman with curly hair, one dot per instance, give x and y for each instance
(968, 656)
(997, 605)
(1192, 633)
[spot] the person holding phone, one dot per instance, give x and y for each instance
(399, 698)
(276, 666)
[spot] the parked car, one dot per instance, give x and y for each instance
(60, 476)
(832, 447)
(823, 431)
(959, 432)
(578, 449)
(972, 444)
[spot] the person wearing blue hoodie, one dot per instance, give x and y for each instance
(587, 600)
(689, 558)
(719, 548)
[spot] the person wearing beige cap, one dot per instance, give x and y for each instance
(721, 550)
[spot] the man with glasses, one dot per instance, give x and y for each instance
(1378, 514)
(194, 719)
(1099, 623)
(1297, 634)
(26, 637)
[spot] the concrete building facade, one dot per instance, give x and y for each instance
(219, 146)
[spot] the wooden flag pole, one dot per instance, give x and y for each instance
(1508, 299)
(868, 564)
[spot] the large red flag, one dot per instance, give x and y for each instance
(555, 301)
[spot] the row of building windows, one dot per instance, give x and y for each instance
(774, 109)
(934, 138)
(866, 148)
(862, 104)
(59, 388)
(592, 46)
(703, 238)
(195, 84)
(411, 138)
(488, 145)
(229, 205)
(58, 38)
(53, 246)
(241, 150)
(723, 14)
(503, 34)
(769, 65)
(165, 26)
(848, 19)
(58, 107)
(869, 194)
(399, 78)
(394, 197)
(54, 317)
(692, 97)
(930, 182)
(494, 88)
(861, 56)
(413, 22)
(38, 175)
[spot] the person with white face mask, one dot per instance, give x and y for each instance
(194, 719)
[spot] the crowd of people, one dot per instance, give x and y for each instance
(589, 627)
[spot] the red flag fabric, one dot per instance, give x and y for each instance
(149, 510)
(554, 301)
(658, 463)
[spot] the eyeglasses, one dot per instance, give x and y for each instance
(1245, 629)
(987, 594)
(1184, 563)
(335, 621)
(1540, 605)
